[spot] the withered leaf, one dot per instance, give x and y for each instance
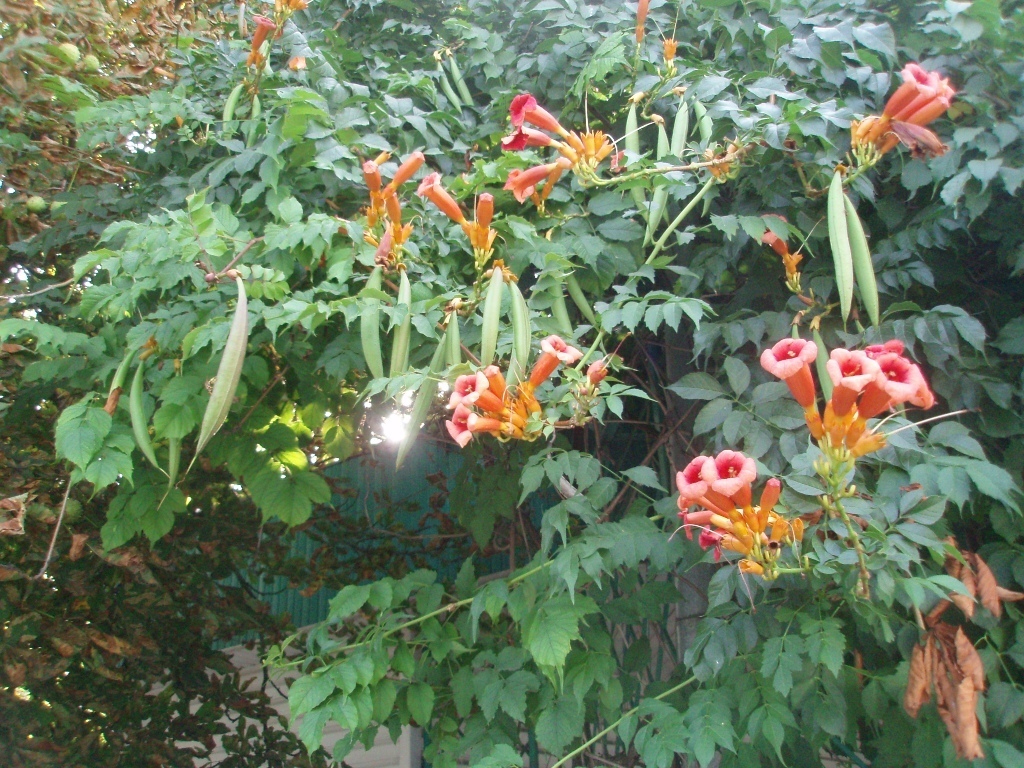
(918, 681)
(77, 545)
(1008, 595)
(969, 661)
(112, 644)
(987, 585)
(12, 515)
(966, 721)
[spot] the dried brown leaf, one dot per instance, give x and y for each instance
(114, 645)
(1008, 595)
(987, 585)
(966, 722)
(77, 545)
(969, 661)
(918, 681)
(12, 515)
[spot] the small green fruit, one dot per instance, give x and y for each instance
(56, 205)
(68, 53)
(90, 63)
(36, 204)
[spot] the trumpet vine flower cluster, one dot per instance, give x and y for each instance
(384, 203)
(581, 152)
(483, 403)
(479, 231)
(728, 519)
(922, 98)
(865, 384)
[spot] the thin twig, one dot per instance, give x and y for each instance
(56, 531)
(239, 255)
(67, 282)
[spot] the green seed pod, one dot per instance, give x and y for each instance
(559, 312)
(35, 204)
(839, 237)
(632, 145)
(492, 317)
(522, 332)
(459, 82)
(516, 371)
(863, 269)
(424, 399)
(257, 108)
(580, 299)
(704, 125)
(680, 129)
(121, 374)
(140, 427)
(173, 460)
(446, 88)
(819, 364)
(232, 102)
(403, 333)
(453, 340)
(369, 327)
(68, 53)
(659, 202)
(229, 372)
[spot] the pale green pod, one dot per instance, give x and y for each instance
(460, 83)
(704, 125)
(453, 340)
(839, 237)
(173, 460)
(446, 88)
(369, 327)
(403, 333)
(229, 372)
(580, 299)
(424, 399)
(820, 365)
(140, 427)
(232, 102)
(680, 129)
(257, 108)
(863, 269)
(515, 373)
(659, 202)
(632, 144)
(121, 374)
(559, 312)
(521, 329)
(492, 317)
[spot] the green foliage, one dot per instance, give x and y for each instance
(616, 639)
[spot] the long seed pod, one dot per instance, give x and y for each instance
(839, 237)
(516, 371)
(632, 144)
(243, 30)
(254, 114)
(173, 460)
(140, 427)
(492, 317)
(424, 399)
(369, 327)
(863, 269)
(559, 312)
(704, 125)
(232, 102)
(819, 364)
(453, 340)
(446, 88)
(228, 373)
(257, 108)
(659, 202)
(117, 383)
(580, 299)
(521, 330)
(680, 129)
(403, 333)
(460, 83)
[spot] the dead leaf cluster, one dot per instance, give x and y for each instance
(947, 663)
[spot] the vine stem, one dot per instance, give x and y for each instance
(679, 219)
(833, 502)
(56, 532)
(613, 726)
(450, 608)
